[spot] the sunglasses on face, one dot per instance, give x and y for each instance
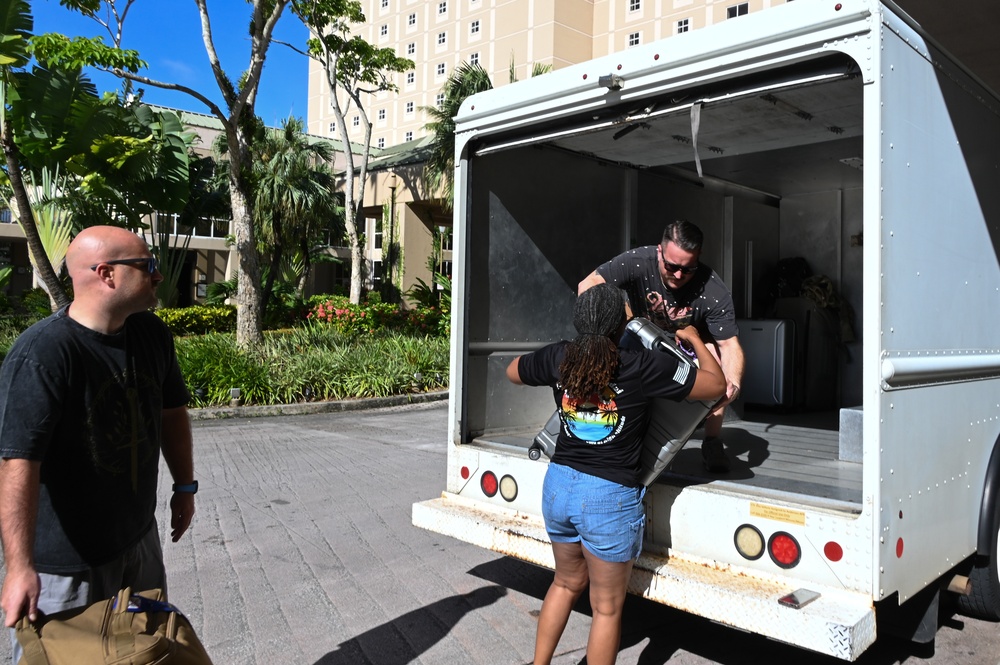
(674, 267)
(151, 263)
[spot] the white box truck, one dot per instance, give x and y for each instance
(838, 132)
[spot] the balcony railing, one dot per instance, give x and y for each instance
(203, 228)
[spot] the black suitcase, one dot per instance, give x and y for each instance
(671, 423)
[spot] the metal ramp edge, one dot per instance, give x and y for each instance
(839, 623)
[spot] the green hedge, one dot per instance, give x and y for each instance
(353, 320)
(199, 319)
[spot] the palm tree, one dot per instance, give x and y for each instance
(294, 202)
(465, 80)
(16, 24)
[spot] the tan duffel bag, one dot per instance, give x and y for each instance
(129, 629)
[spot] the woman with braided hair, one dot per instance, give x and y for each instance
(592, 496)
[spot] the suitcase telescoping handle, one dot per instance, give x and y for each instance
(655, 339)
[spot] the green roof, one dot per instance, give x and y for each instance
(403, 154)
(208, 121)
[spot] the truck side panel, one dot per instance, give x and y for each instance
(939, 294)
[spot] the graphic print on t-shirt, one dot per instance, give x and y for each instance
(668, 317)
(594, 419)
(117, 427)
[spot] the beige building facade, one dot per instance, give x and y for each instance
(438, 35)
(405, 225)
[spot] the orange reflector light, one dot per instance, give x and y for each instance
(489, 483)
(749, 542)
(784, 550)
(508, 488)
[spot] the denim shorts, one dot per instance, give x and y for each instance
(607, 518)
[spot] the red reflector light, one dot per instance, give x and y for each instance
(465, 473)
(489, 483)
(833, 551)
(784, 550)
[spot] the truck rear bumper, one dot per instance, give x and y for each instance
(838, 623)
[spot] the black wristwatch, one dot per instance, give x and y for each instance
(188, 489)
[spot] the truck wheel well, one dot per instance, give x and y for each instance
(991, 494)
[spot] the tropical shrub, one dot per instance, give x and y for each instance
(354, 320)
(199, 319)
(311, 363)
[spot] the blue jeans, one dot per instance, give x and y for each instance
(605, 517)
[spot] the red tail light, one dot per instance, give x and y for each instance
(784, 550)
(489, 483)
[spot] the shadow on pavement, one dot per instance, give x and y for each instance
(403, 639)
(667, 631)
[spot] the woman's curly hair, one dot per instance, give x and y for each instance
(591, 359)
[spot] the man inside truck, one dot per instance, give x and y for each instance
(668, 285)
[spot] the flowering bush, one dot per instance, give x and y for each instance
(353, 320)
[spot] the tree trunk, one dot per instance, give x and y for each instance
(357, 254)
(272, 276)
(249, 330)
(57, 294)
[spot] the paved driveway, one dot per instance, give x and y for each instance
(302, 551)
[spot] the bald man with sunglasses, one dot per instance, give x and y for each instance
(668, 285)
(90, 398)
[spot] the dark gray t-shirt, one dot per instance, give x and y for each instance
(89, 407)
(704, 302)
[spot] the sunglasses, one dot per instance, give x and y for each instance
(673, 268)
(151, 263)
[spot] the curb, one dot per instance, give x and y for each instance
(305, 408)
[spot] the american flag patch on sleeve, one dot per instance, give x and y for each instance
(681, 375)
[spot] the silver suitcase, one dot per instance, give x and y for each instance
(768, 345)
(671, 423)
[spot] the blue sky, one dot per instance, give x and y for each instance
(167, 34)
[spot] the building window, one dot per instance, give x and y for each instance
(442, 8)
(408, 136)
(384, 30)
(385, 3)
(634, 5)
(380, 143)
(381, 114)
(410, 78)
(442, 38)
(333, 127)
(738, 10)
(474, 59)
(409, 107)
(683, 25)
(411, 48)
(474, 28)
(633, 39)
(439, 100)
(411, 19)
(440, 69)
(356, 121)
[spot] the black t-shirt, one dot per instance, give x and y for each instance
(602, 434)
(89, 407)
(704, 302)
